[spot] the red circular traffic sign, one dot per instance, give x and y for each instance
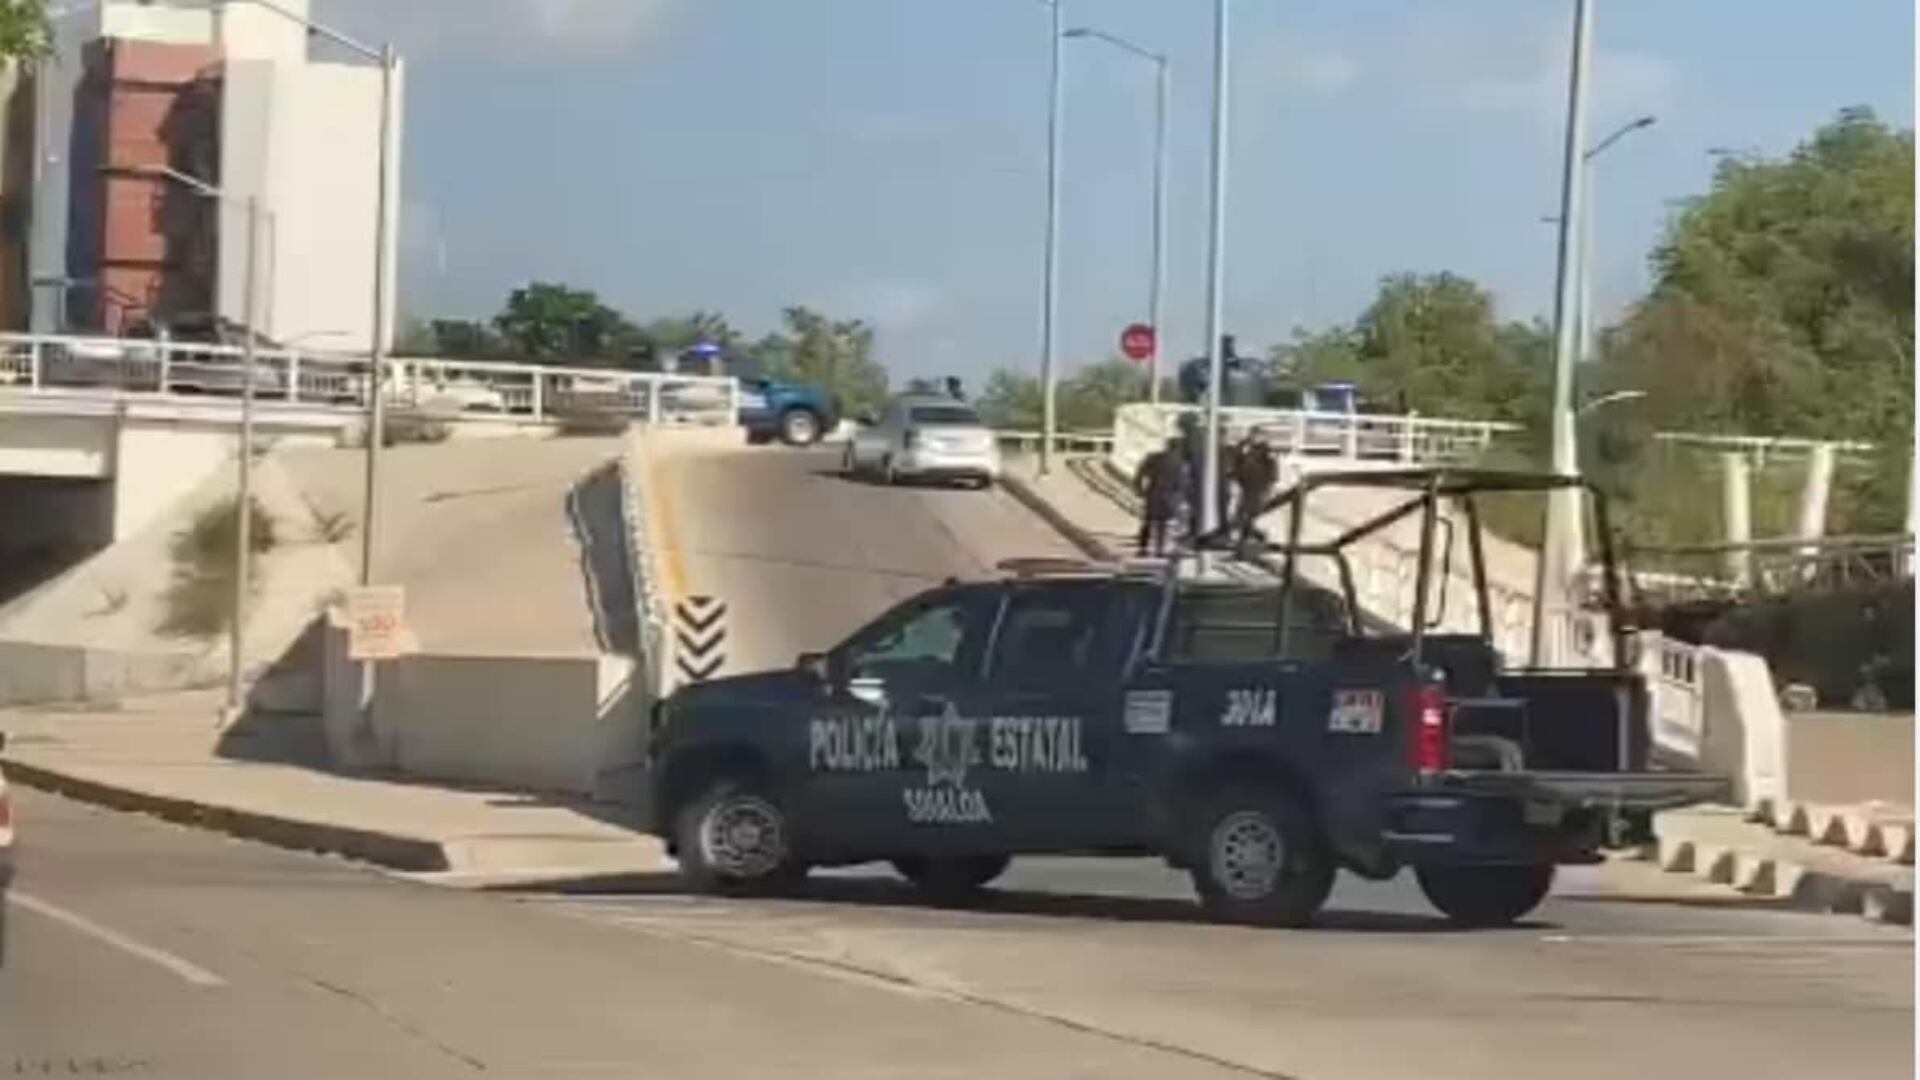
(1138, 341)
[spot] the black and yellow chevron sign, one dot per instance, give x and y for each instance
(701, 633)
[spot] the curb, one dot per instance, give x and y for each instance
(1089, 545)
(392, 850)
(1798, 887)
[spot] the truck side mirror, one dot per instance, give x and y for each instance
(816, 665)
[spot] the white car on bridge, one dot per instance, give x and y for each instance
(924, 437)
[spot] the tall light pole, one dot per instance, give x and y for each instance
(1050, 288)
(1216, 269)
(1586, 230)
(243, 501)
(1162, 92)
(1563, 508)
(389, 62)
(1575, 536)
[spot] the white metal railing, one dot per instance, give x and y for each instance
(526, 392)
(1072, 442)
(1674, 681)
(1139, 429)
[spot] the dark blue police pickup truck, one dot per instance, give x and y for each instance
(794, 413)
(1260, 737)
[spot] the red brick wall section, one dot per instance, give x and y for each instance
(148, 240)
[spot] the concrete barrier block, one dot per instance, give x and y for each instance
(1898, 842)
(1827, 825)
(1713, 863)
(1813, 890)
(1790, 818)
(1862, 835)
(1676, 856)
(1755, 875)
(1888, 904)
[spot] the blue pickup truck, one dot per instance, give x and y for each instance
(793, 413)
(1259, 736)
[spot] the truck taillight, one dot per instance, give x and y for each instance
(6, 812)
(1427, 744)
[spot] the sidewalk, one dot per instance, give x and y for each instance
(163, 756)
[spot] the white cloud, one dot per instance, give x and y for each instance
(893, 305)
(1320, 69)
(508, 30)
(1451, 62)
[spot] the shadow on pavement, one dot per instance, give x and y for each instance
(881, 892)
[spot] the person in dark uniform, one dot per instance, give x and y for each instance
(1162, 485)
(1256, 472)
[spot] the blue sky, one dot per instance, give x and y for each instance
(886, 158)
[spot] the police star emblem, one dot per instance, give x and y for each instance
(947, 747)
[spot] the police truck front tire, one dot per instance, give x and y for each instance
(800, 427)
(951, 879)
(1485, 896)
(734, 839)
(1258, 859)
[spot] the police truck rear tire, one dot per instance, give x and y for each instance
(734, 839)
(1485, 895)
(1259, 860)
(951, 879)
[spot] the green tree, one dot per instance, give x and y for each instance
(836, 354)
(1430, 343)
(1010, 401)
(1783, 305)
(24, 31)
(668, 337)
(547, 322)
(1085, 401)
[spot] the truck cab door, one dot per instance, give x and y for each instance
(1052, 703)
(865, 735)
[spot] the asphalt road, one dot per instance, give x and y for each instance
(803, 555)
(145, 949)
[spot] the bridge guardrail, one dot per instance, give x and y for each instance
(519, 392)
(1139, 429)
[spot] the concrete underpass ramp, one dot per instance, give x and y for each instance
(801, 555)
(506, 547)
(101, 630)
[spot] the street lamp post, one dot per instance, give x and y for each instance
(1563, 508)
(243, 500)
(1050, 301)
(1216, 269)
(1162, 93)
(389, 62)
(1575, 534)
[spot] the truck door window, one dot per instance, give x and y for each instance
(926, 641)
(1049, 638)
(1238, 626)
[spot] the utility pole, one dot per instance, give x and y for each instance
(1050, 302)
(1563, 505)
(1216, 270)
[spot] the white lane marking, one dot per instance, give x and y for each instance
(191, 972)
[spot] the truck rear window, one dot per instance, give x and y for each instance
(1242, 626)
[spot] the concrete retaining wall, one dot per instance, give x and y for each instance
(558, 724)
(37, 674)
(1845, 758)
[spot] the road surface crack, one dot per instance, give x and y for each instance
(396, 1022)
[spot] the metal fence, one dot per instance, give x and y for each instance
(523, 392)
(1140, 429)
